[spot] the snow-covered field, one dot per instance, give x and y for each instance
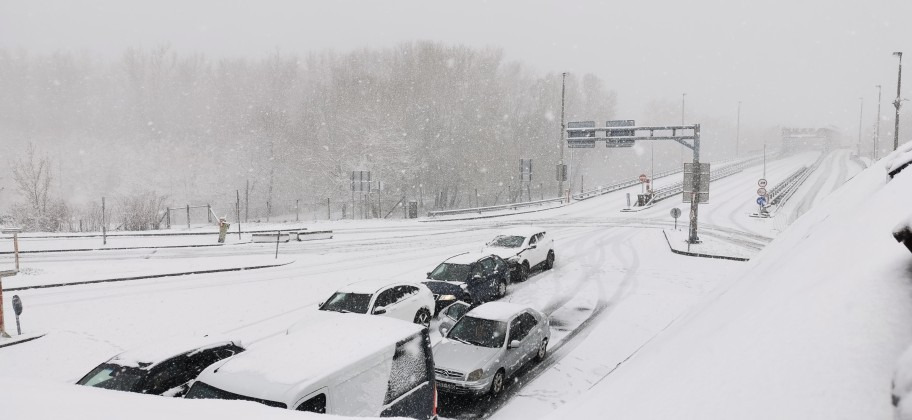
(638, 332)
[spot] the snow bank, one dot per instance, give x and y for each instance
(811, 330)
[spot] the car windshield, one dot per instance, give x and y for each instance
(347, 302)
(479, 332)
(450, 272)
(202, 390)
(505, 241)
(111, 376)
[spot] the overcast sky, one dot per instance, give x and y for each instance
(796, 62)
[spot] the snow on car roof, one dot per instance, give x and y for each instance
(161, 350)
(286, 365)
(496, 311)
(521, 231)
(370, 286)
(467, 258)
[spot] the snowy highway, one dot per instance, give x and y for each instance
(613, 270)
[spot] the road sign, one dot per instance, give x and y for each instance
(619, 133)
(676, 212)
(693, 173)
(761, 192)
(761, 200)
(643, 178)
(562, 172)
(525, 170)
(761, 183)
(580, 124)
(581, 143)
(361, 181)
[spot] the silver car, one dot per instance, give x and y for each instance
(487, 345)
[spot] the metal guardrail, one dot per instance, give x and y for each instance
(619, 186)
(678, 187)
(479, 210)
(789, 186)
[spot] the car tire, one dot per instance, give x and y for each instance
(542, 351)
(549, 262)
(524, 271)
(423, 317)
(501, 288)
(497, 384)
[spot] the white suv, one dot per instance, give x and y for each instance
(524, 249)
(403, 300)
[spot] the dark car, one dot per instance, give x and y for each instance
(165, 368)
(470, 277)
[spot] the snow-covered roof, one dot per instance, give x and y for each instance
(522, 231)
(467, 258)
(371, 286)
(496, 311)
(285, 365)
(159, 351)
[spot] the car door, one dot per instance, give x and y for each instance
(501, 269)
(384, 300)
(478, 288)
(407, 304)
(531, 336)
(513, 356)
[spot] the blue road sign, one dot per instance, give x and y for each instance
(761, 201)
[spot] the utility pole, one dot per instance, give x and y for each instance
(104, 223)
(860, 115)
(898, 102)
(764, 160)
(877, 126)
(683, 98)
(560, 181)
(738, 131)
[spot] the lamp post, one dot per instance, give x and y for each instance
(877, 126)
(898, 102)
(860, 114)
(560, 181)
(738, 131)
(683, 98)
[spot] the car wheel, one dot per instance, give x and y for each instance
(549, 263)
(542, 351)
(497, 384)
(501, 288)
(524, 271)
(423, 317)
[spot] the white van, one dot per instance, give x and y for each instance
(343, 365)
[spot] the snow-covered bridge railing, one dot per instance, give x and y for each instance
(479, 210)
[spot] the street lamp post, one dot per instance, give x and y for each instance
(898, 102)
(877, 126)
(738, 131)
(860, 114)
(560, 181)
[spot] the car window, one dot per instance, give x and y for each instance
(477, 270)
(113, 376)
(456, 311)
(347, 302)
(533, 240)
(479, 332)
(385, 298)
(170, 374)
(451, 272)
(409, 291)
(500, 265)
(488, 264)
(504, 241)
(409, 368)
(528, 323)
(317, 404)
(516, 329)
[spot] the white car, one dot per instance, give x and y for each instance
(407, 301)
(488, 345)
(524, 249)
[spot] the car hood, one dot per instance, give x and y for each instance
(453, 355)
(504, 253)
(439, 287)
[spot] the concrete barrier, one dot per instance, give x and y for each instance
(313, 235)
(265, 238)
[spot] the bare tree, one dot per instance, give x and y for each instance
(33, 180)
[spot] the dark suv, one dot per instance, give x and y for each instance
(470, 277)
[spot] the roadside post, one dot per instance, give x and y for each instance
(223, 229)
(6, 273)
(761, 201)
(17, 308)
(278, 237)
(676, 213)
(15, 232)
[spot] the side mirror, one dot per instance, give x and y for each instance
(533, 246)
(380, 310)
(428, 274)
(444, 330)
(513, 344)
(320, 305)
(477, 277)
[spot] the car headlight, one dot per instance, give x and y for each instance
(446, 297)
(514, 259)
(475, 375)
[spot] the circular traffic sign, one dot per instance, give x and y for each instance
(761, 191)
(761, 200)
(676, 212)
(643, 178)
(762, 183)
(17, 305)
